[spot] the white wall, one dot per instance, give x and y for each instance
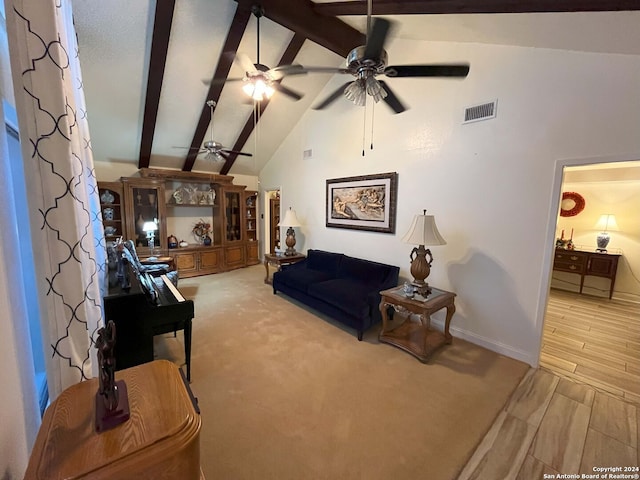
(490, 184)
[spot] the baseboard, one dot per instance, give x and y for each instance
(490, 344)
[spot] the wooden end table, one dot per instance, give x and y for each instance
(278, 261)
(416, 338)
(159, 259)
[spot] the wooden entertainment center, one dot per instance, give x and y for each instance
(161, 196)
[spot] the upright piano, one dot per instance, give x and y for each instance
(142, 306)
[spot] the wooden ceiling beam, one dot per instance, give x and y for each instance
(287, 58)
(425, 7)
(227, 54)
(157, 60)
(300, 17)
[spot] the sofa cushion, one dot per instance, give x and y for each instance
(324, 261)
(349, 296)
(299, 278)
(371, 273)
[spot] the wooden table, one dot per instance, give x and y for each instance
(585, 263)
(160, 440)
(278, 261)
(416, 338)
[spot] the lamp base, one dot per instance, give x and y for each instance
(602, 241)
(422, 289)
(291, 243)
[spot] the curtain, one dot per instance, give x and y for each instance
(64, 210)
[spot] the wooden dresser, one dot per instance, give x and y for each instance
(161, 440)
(586, 263)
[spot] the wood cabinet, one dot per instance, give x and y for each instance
(160, 440)
(198, 260)
(584, 263)
(175, 201)
(112, 208)
(251, 227)
(274, 212)
(144, 202)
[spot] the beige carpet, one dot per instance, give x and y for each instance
(286, 393)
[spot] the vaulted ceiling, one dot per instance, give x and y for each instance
(149, 67)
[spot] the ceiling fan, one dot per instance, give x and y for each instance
(366, 62)
(214, 150)
(259, 81)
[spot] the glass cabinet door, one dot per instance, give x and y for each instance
(233, 227)
(146, 215)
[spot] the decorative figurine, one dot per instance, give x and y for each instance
(112, 402)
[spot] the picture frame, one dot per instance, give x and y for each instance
(366, 202)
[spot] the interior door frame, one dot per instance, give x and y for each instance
(266, 216)
(556, 194)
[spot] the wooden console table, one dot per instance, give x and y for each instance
(417, 338)
(585, 263)
(161, 439)
(278, 261)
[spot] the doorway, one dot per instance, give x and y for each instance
(589, 338)
(271, 220)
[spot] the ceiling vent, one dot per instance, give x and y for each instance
(483, 111)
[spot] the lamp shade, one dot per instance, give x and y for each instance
(149, 227)
(290, 219)
(607, 222)
(423, 231)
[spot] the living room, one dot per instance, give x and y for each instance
(494, 186)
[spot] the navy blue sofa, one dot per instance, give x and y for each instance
(342, 287)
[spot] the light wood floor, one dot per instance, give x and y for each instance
(581, 409)
(595, 341)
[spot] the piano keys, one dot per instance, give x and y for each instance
(144, 306)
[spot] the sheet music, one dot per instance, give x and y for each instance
(172, 287)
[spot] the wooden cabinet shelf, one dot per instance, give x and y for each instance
(176, 201)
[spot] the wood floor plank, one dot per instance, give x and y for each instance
(583, 359)
(534, 468)
(620, 380)
(561, 435)
(554, 363)
(576, 391)
(507, 452)
(601, 450)
(624, 354)
(531, 399)
(615, 418)
(563, 341)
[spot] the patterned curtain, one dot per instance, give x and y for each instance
(65, 219)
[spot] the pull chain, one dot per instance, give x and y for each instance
(373, 109)
(364, 125)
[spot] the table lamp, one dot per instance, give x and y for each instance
(423, 231)
(607, 221)
(290, 220)
(150, 228)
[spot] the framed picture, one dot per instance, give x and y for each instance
(367, 202)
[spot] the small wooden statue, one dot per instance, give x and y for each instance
(112, 403)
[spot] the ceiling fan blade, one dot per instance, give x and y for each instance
(287, 91)
(391, 99)
(324, 70)
(281, 71)
(186, 148)
(377, 37)
(218, 81)
(227, 152)
(333, 97)
(461, 70)
(245, 62)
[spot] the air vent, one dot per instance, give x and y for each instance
(307, 154)
(483, 111)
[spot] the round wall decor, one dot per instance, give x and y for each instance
(572, 204)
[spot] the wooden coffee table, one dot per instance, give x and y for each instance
(278, 261)
(416, 338)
